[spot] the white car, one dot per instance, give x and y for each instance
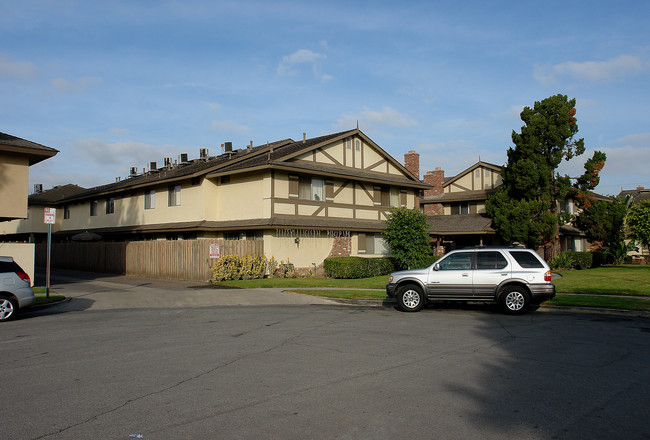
(15, 288)
(512, 277)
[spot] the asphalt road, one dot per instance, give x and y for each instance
(105, 366)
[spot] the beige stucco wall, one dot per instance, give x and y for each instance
(307, 251)
(34, 223)
(14, 181)
(481, 178)
(23, 254)
(247, 196)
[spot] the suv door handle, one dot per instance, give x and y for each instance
(504, 274)
(465, 275)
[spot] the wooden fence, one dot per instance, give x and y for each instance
(171, 259)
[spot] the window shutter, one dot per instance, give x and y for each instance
(362, 243)
(377, 195)
(293, 186)
(385, 197)
(329, 190)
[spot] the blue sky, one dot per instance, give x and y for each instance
(117, 84)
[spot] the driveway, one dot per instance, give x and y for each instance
(104, 292)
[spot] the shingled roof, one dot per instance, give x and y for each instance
(270, 155)
(460, 224)
(35, 152)
(55, 194)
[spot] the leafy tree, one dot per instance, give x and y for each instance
(604, 221)
(638, 222)
(408, 238)
(525, 209)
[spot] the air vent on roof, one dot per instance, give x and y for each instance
(204, 153)
(228, 146)
(38, 188)
(183, 157)
(133, 172)
(168, 162)
(152, 166)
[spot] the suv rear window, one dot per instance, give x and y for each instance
(526, 259)
(9, 266)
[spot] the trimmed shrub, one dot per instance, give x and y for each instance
(253, 267)
(227, 268)
(582, 260)
(357, 267)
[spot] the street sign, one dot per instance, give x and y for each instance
(215, 252)
(50, 216)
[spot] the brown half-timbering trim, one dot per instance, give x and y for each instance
(294, 186)
(329, 156)
(375, 165)
(306, 202)
(363, 187)
(455, 185)
(272, 192)
(341, 188)
(318, 211)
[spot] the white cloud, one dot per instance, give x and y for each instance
(125, 154)
(621, 66)
(83, 83)
(373, 119)
(213, 107)
(19, 70)
(230, 126)
(289, 64)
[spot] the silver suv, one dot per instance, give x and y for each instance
(512, 277)
(15, 290)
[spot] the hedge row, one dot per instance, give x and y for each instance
(573, 260)
(357, 267)
(360, 267)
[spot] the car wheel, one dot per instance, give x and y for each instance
(410, 298)
(8, 309)
(514, 300)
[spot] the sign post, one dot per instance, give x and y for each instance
(50, 218)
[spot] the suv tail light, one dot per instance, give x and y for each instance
(547, 276)
(23, 276)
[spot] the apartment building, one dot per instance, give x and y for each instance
(305, 200)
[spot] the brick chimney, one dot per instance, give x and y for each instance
(435, 179)
(638, 188)
(412, 163)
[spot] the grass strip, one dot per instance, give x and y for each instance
(362, 283)
(42, 299)
(600, 301)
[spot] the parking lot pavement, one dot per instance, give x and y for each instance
(102, 292)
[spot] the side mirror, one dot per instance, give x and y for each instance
(436, 266)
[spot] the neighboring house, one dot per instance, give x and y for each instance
(33, 229)
(638, 195)
(456, 210)
(305, 200)
(16, 156)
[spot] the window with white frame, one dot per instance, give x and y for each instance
(372, 244)
(174, 195)
(150, 199)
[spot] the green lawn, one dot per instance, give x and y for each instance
(607, 280)
(592, 285)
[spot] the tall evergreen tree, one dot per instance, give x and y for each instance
(525, 209)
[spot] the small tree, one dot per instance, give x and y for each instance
(525, 208)
(604, 222)
(408, 237)
(638, 221)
